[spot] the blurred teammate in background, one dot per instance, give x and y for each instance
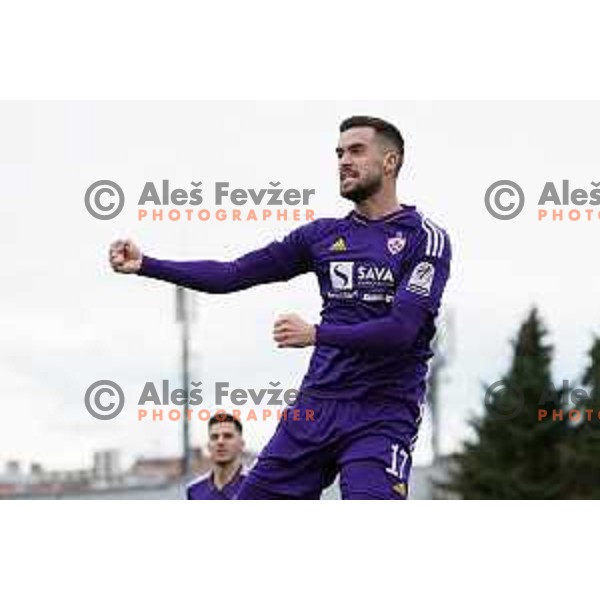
(225, 447)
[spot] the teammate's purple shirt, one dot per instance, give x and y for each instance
(204, 488)
(381, 281)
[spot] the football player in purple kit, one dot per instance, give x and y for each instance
(381, 270)
(225, 446)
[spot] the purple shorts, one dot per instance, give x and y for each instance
(369, 443)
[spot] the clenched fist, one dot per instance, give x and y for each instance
(291, 331)
(125, 257)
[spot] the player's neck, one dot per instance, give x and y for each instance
(223, 474)
(379, 205)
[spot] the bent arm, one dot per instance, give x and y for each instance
(417, 299)
(396, 332)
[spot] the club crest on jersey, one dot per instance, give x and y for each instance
(396, 244)
(339, 245)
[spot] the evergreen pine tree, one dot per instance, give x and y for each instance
(516, 455)
(582, 447)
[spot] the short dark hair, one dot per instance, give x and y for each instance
(386, 130)
(222, 417)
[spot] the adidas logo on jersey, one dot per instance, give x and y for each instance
(339, 245)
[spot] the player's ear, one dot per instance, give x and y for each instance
(391, 162)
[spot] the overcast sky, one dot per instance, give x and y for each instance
(68, 321)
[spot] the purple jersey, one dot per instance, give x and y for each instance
(381, 282)
(204, 488)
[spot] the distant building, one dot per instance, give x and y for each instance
(164, 469)
(155, 477)
(107, 467)
(13, 468)
(12, 479)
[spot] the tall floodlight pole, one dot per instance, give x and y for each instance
(443, 349)
(433, 401)
(183, 316)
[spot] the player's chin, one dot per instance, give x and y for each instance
(345, 189)
(353, 193)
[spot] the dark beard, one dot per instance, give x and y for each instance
(361, 192)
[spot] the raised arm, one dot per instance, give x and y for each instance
(279, 261)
